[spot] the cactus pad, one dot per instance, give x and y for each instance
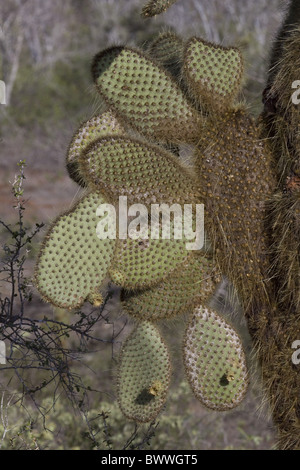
(167, 49)
(142, 263)
(141, 93)
(74, 262)
(96, 299)
(97, 126)
(148, 174)
(156, 7)
(144, 374)
(213, 73)
(190, 284)
(214, 361)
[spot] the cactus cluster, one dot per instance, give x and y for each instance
(175, 93)
(160, 278)
(140, 92)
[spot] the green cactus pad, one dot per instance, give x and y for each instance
(192, 283)
(144, 374)
(97, 126)
(214, 361)
(213, 73)
(142, 263)
(148, 174)
(142, 94)
(167, 49)
(156, 7)
(73, 261)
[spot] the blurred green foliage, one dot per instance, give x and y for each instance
(48, 97)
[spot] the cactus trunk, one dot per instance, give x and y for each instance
(275, 338)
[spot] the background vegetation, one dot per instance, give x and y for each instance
(46, 48)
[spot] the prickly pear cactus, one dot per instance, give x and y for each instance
(103, 162)
(96, 127)
(144, 374)
(187, 92)
(213, 73)
(214, 361)
(73, 262)
(142, 263)
(190, 284)
(168, 49)
(230, 159)
(155, 107)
